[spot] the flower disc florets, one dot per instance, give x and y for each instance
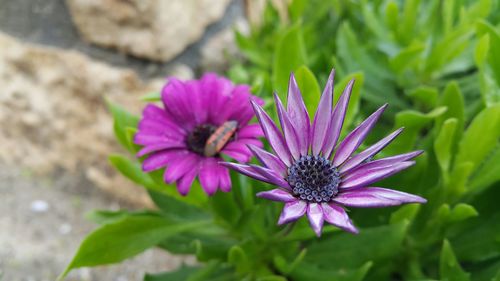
(314, 179)
(197, 139)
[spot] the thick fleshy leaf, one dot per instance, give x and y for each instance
(374, 197)
(315, 216)
(277, 195)
(292, 211)
(273, 135)
(369, 152)
(291, 136)
(322, 118)
(337, 120)
(356, 137)
(298, 114)
(337, 216)
(364, 177)
(269, 160)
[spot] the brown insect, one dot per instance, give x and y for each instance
(219, 138)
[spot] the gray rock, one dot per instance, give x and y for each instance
(152, 29)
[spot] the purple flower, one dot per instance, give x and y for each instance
(316, 176)
(201, 120)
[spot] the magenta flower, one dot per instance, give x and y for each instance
(201, 120)
(314, 175)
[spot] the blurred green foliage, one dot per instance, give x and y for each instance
(437, 63)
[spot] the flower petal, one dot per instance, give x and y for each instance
(177, 169)
(224, 178)
(338, 115)
(161, 159)
(277, 195)
(386, 162)
(364, 177)
(157, 147)
(315, 216)
(271, 176)
(292, 211)
(269, 160)
(209, 176)
(374, 197)
(245, 169)
(250, 131)
(356, 137)
(369, 152)
(291, 138)
(322, 118)
(337, 216)
(184, 184)
(272, 133)
(297, 113)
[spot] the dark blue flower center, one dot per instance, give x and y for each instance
(197, 139)
(314, 179)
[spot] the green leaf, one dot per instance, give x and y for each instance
(462, 212)
(115, 242)
(238, 258)
(379, 243)
(453, 100)
(180, 274)
(311, 272)
(427, 96)
(309, 88)
(290, 54)
(481, 51)
(151, 97)
(132, 171)
(407, 57)
(481, 241)
(488, 173)
(405, 213)
(449, 268)
(481, 137)
(354, 101)
(443, 145)
(122, 120)
(392, 15)
(225, 207)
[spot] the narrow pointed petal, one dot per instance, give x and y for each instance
(244, 169)
(292, 211)
(386, 162)
(277, 195)
(337, 216)
(356, 137)
(315, 216)
(374, 197)
(298, 114)
(269, 160)
(322, 118)
(366, 177)
(271, 176)
(338, 115)
(291, 137)
(273, 135)
(369, 152)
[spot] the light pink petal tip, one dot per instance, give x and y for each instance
(374, 197)
(292, 211)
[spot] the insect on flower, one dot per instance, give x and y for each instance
(316, 175)
(219, 138)
(200, 121)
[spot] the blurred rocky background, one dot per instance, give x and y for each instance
(59, 60)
